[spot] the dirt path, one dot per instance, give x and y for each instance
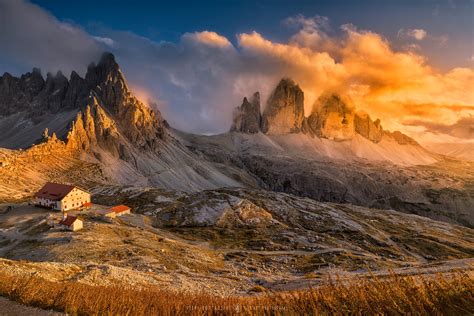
(11, 308)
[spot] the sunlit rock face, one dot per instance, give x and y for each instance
(332, 118)
(400, 138)
(141, 125)
(284, 112)
(82, 110)
(93, 127)
(372, 130)
(247, 117)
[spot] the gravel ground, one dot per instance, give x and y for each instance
(10, 308)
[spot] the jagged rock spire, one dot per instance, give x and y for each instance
(332, 117)
(110, 101)
(371, 130)
(100, 98)
(246, 118)
(284, 112)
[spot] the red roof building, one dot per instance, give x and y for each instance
(62, 197)
(54, 191)
(121, 209)
(71, 223)
(68, 221)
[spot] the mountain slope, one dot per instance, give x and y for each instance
(98, 120)
(335, 154)
(333, 128)
(457, 150)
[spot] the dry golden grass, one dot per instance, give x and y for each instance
(451, 294)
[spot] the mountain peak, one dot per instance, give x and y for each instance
(99, 99)
(246, 118)
(106, 70)
(287, 82)
(332, 117)
(107, 59)
(284, 112)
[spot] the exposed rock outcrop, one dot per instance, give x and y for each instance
(400, 138)
(284, 112)
(52, 95)
(93, 127)
(332, 117)
(101, 96)
(245, 214)
(12, 98)
(372, 130)
(31, 83)
(247, 117)
(141, 125)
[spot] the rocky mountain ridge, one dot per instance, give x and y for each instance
(98, 119)
(335, 154)
(333, 117)
(102, 100)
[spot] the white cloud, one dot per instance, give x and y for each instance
(105, 40)
(417, 34)
(209, 38)
(202, 77)
(30, 37)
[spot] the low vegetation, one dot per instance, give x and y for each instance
(441, 294)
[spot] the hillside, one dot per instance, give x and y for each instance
(234, 239)
(336, 153)
(283, 201)
(330, 171)
(457, 150)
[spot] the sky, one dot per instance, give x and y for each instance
(409, 63)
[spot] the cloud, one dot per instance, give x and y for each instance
(421, 35)
(201, 77)
(463, 128)
(417, 34)
(209, 38)
(30, 36)
(105, 40)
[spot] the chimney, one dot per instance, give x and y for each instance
(64, 215)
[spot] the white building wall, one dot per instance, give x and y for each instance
(47, 203)
(77, 225)
(123, 213)
(75, 199)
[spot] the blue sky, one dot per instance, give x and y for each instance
(409, 63)
(168, 20)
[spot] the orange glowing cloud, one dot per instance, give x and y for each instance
(209, 38)
(394, 86)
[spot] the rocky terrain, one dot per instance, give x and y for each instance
(234, 239)
(335, 153)
(97, 119)
(281, 201)
(458, 150)
(339, 154)
(328, 171)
